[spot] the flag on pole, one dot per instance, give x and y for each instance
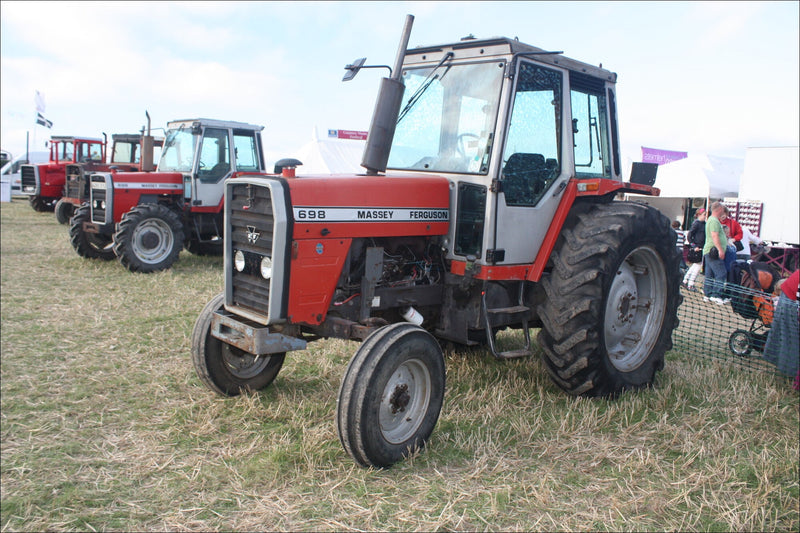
(43, 121)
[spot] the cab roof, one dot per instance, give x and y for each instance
(213, 123)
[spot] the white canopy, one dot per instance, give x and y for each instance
(700, 176)
(330, 156)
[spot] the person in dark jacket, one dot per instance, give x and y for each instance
(696, 238)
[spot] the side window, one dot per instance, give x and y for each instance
(589, 126)
(531, 160)
(95, 152)
(124, 152)
(244, 145)
(67, 151)
(215, 155)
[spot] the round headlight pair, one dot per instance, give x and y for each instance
(265, 265)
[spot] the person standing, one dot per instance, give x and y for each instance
(697, 239)
(680, 240)
(783, 340)
(736, 231)
(748, 239)
(714, 255)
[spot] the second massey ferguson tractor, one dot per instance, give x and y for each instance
(146, 218)
(489, 202)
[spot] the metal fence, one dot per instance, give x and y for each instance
(734, 332)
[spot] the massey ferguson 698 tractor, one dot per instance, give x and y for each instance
(488, 203)
(129, 152)
(44, 182)
(146, 218)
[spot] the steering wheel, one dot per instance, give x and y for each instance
(460, 145)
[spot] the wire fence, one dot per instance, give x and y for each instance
(735, 331)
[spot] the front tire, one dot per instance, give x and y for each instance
(89, 245)
(149, 238)
(41, 204)
(740, 342)
(611, 299)
(391, 395)
(64, 211)
(226, 369)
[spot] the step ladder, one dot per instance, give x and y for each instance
(519, 309)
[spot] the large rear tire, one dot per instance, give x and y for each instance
(64, 211)
(611, 299)
(391, 395)
(149, 238)
(89, 245)
(226, 369)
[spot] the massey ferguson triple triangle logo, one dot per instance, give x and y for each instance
(252, 235)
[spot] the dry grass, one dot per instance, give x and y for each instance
(105, 427)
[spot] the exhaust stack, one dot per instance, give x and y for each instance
(147, 148)
(387, 107)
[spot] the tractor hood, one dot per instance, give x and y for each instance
(354, 206)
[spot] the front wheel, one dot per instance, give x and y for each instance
(89, 245)
(149, 238)
(41, 204)
(64, 211)
(391, 395)
(740, 342)
(226, 369)
(610, 302)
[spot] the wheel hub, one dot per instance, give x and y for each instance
(149, 240)
(400, 399)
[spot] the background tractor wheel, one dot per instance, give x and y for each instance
(611, 299)
(149, 238)
(40, 204)
(391, 395)
(64, 211)
(89, 245)
(226, 369)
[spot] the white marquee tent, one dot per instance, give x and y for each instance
(330, 155)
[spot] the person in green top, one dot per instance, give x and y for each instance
(714, 256)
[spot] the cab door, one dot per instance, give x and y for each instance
(535, 166)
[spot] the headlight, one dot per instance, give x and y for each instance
(238, 260)
(266, 268)
(102, 204)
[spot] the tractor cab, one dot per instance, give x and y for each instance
(509, 124)
(206, 152)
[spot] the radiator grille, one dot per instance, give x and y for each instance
(252, 225)
(76, 185)
(28, 179)
(98, 200)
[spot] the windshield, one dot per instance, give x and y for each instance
(178, 152)
(449, 125)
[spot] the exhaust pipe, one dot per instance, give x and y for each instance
(387, 107)
(147, 148)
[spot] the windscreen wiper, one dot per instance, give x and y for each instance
(425, 84)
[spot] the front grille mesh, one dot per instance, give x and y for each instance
(76, 186)
(98, 200)
(28, 178)
(251, 214)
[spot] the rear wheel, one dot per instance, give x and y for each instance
(611, 299)
(740, 342)
(89, 245)
(391, 395)
(64, 211)
(149, 238)
(226, 369)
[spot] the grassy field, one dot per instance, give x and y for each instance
(104, 426)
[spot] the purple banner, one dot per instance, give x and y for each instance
(661, 157)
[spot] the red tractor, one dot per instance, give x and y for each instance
(44, 182)
(489, 202)
(129, 152)
(146, 218)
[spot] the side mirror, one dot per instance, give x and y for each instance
(353, 68)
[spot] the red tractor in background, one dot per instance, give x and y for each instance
(44, 182)
(146, 218)
(129, 152)
(489, 202)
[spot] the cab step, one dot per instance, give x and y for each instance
(525, 351)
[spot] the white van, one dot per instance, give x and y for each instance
(10, 171)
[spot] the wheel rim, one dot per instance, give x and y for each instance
(635, 309)
(241, 364)
(740, 343)
(152, 240)
(405, 401)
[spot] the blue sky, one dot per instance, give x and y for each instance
(713, 77)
